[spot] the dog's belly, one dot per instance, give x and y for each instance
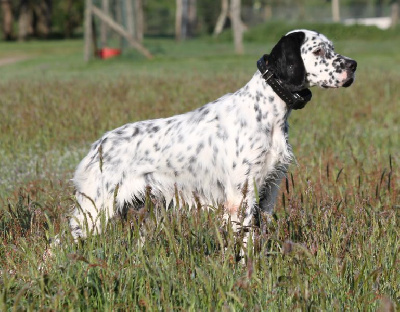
(210, 177)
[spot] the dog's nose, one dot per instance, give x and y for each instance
(351, 64)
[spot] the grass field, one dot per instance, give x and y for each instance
(334, 242)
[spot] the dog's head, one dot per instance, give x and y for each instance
(304, 58)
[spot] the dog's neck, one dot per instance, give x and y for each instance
(264, 97)
(259, 84)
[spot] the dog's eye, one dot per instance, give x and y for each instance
(318, 52)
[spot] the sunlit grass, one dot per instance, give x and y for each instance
(334, 241)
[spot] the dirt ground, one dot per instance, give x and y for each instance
(11, 60)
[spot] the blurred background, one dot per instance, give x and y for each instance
(48, 19)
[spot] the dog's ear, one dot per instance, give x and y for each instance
(285, 59)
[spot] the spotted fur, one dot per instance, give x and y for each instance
(210, 154)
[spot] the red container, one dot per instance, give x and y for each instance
(106, 53)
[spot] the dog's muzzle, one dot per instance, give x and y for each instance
(351, 66)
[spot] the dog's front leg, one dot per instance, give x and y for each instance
(268, 195)
(239, 211)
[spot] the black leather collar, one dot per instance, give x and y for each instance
(294, 100)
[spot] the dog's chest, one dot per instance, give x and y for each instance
(270, 114)
(280, 151)
(262, 141)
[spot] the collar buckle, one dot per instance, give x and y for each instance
(267, 74)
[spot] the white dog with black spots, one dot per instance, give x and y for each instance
(211, 154)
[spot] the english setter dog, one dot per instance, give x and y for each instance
(211, 154)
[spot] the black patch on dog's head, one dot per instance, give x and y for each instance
(285, 60)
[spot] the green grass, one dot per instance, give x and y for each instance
(333, 244)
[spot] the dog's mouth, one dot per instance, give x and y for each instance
(346, 84)
(349, 82)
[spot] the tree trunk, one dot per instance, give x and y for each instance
(105, 6)
(118, 18)
(24, 21)
(130, 18)
(185, 19)
(192, 18)
(237, 26)
(8, 19)
(42, 21)
(88, 34)
(267, 12)
(178, 20)
(219, 26)
(335, 11)
(394, 14)
(121, 31)
(139, 20)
